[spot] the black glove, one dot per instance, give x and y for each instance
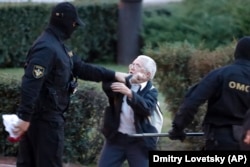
(176, 134)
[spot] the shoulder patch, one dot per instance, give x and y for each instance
(38, 71)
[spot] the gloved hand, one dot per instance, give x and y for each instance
(177, 134)
(20, 127)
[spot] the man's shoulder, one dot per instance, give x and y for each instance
(48, 38)
(46, 41)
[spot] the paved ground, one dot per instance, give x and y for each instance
(11, 161)
(7, 162)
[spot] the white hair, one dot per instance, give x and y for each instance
(149, 64)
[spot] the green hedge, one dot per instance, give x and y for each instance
(83, 140)
(21, 24)
(206, 23)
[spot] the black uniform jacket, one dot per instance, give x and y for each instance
(49, 69)
(227, 91)
(143, 104)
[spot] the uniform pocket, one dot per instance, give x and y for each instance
(62, 100)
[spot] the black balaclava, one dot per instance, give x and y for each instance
(63, 16)
(242, 50)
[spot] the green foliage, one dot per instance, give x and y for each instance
(9, 100)
(95, 1)
(97, 40)
(22, 24)
(209, 24)
(172, 61)
(18, 32)
(83, 140)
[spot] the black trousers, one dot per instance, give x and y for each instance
(42, 145)
(222, 139)
(122, 148)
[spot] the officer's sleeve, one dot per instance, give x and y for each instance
(91, 72)
(195, 98)
(38, 66)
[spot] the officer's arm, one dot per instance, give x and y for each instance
(202, 92)
(37, 68)
(95, 73)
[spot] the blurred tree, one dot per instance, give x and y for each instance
(129, 27)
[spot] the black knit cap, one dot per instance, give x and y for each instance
(66, 10)
(242, 50)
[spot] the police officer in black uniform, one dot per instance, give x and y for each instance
(226, 90)
(46, 87)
